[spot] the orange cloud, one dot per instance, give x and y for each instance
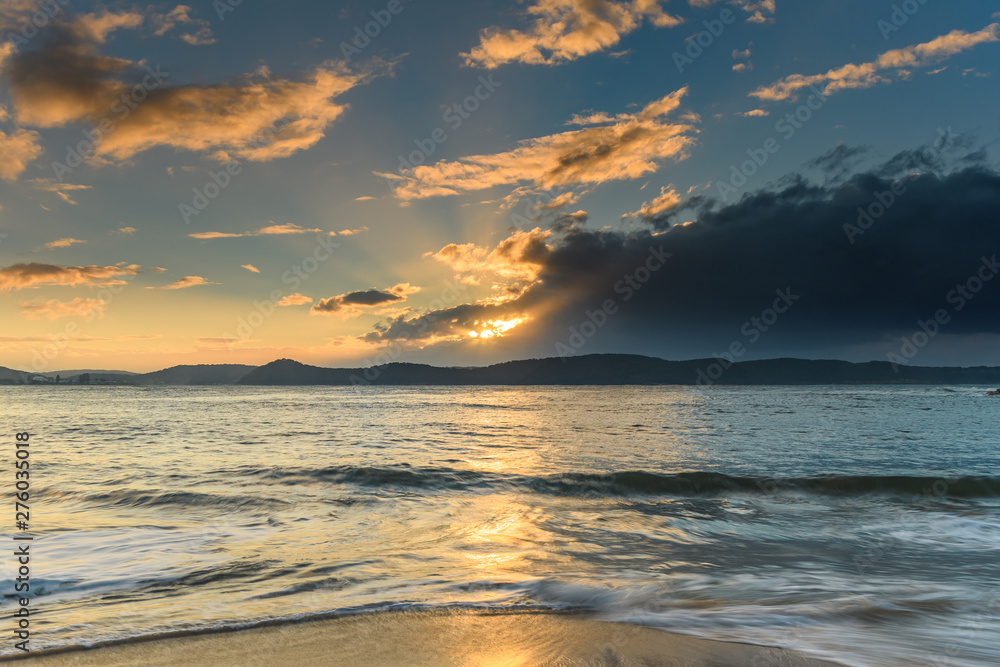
(257, 117)
(565, 30)
(250, 267)
(55, 309)
(295, 300)
(181, 15)
(866, 75)
(96, 27)
(63, 243)
(61, 189)
(759, 10)
(17, 150)
(623, 147)
(185, 283)
(667, 200)
(271, 230)
(519, 257)
(22, 276)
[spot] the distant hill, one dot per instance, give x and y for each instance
(620, 369)
(596, 369)
(73, 374)
(194, 375)
(178, 375)
(10, 376)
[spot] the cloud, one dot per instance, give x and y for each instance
(727, 263)
(54, 309)
(667, 200)
(77, 339)
(896, 63)
(96, 27)
(185, 283)
(759, 10)
(295, 300)
(17, 150)
(63, 243)
(518, 257)
(564, 30)
(218, 342)
(838, 162)
(364, 299)
(125, 231)
(622, 147)
(257, 117)
(365, 198)
(61, 189)
(250, 267)
(350, 232)
(201, 32)
(270, 230)
(22, 276)
(755, 113)
(746, 65)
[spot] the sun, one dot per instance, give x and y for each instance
(494, 328)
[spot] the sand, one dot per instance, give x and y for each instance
(428, 638)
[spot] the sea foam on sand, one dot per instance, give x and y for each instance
(429, 638)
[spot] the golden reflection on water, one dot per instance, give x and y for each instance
(507, 538)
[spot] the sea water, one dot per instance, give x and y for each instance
(858, 524)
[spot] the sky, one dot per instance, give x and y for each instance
(354, 183)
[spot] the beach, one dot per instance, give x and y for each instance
(430, 638)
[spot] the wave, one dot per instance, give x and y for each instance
(135, 498)
(637, 482)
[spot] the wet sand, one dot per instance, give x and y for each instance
(428, 638)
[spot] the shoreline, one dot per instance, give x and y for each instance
(424, 638)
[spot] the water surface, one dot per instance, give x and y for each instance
(859, 524)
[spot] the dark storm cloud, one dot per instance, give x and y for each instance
(365, 298)
(864, 262)
(371, 297)
(840, 161)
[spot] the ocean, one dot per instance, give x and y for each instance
(856, 524)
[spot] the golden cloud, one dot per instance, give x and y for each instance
(270, 230)
(185, 283)
(295, 300)
(17, 150)
(667, 200)
(623, 147)
(866, 75)
(565, 30)
(519, 257)
(22, 276)
(54, 309)
(257, 117)
(63, 243)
